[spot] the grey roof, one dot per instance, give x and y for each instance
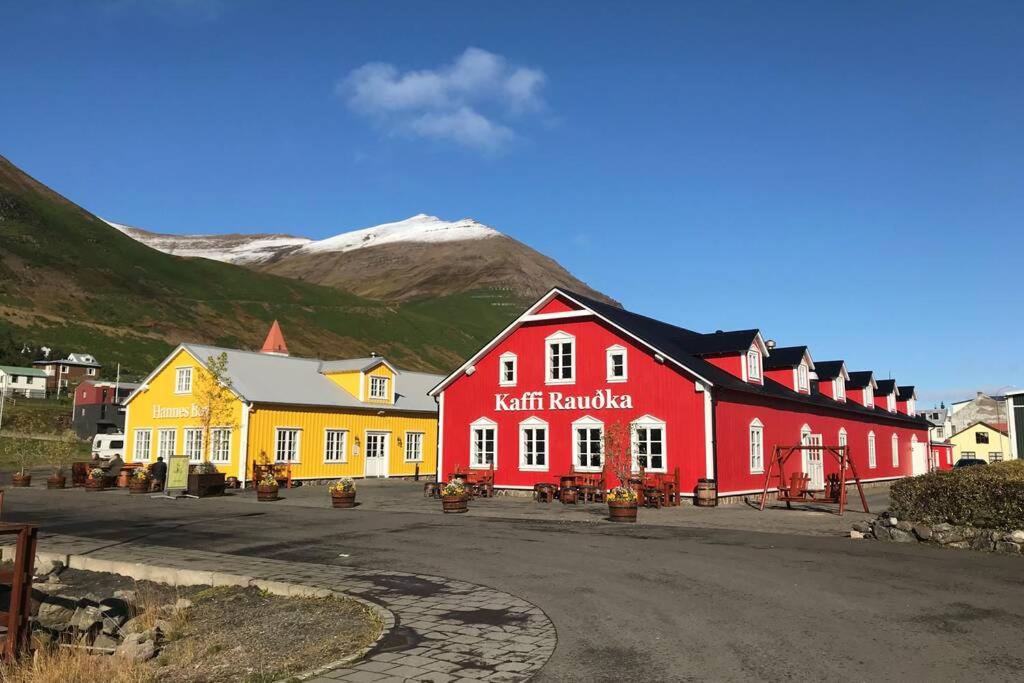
(351, 364)
(267, 378)
(940, 415)
(16, 370)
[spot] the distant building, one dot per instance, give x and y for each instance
(97, 407)
(981, 408)
(941, 427)
(1015, 421)
(65, 374)
(17, 381)
(988, 442)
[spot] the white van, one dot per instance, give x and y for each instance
(108, 445)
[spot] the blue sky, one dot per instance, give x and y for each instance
(847, 175)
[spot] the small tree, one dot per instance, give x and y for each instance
(215, 397)
(61, 451)
(618, 458)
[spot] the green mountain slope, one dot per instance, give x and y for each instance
(70, 281)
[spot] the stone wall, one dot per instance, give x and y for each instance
(887, 527)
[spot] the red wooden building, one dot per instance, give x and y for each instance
(535, 401)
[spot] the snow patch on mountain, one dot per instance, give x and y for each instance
(419, 228)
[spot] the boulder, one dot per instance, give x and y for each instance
(135, 649)
(983, 542)
(129, 597)
(923, 532)
(863, 526)
(1008, 547)
(892, 521)
(901, 536)
(947, 537)
(942, 527)
(86, 617)
(115, 613)
(106, 641)
(55, 612)
(133, 626)
(856, 534)
(963, 545)
(881, 531)
(904, 526)
(44, 568)
(1016, 536)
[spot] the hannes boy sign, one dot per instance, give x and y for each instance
(602, 399)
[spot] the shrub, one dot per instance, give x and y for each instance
(990, 496)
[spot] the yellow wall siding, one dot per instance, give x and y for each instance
(381, 370)
(967, 441)
(264, 420)
(349, 381)
(144, 412)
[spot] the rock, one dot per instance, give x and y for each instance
(86, 618)
(162, 626)
(105, 641)
(1016, 536)
(963, 545)
(947, 537)
(905, 526)
(901, 536)
(134, 649)
(863, 527)
(983, 542)
(881, 531)
(182, 604)
(1008, 547)
(856, 534)
(923, 532)
(970, 533)
(115, 613)
(47, 567)
(893, 521)
(942, 528)
(133, 626)
(55, 613)
(150, 634)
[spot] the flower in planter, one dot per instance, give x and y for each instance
(268, 480)
(96, 473)
(622, 494)
(141, 474)
(344, 485)
(206, 467)
(454, 488)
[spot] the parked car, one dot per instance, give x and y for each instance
(108, 445)
(969, 462)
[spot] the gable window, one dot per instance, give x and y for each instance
(588, 441)
(756, 446)
(414, 446)
(220, 445)
(143, 441)
(483, 440)
(615, 362)
(753, 364)
(194, 444)
(379, 388)
(165, 443)
(890, 402)
(869, 396)
(286, 445)
(335, 441)
(648, 437)
(183, 381)
(533, 444)
(872, 458)
(561, 358)
(895, 451)
(839, 388)
(802, 378)
(981, 437)
(508, 368)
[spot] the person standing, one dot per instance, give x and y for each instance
(159, 473)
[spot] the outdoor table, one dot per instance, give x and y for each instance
(568, 481)
(588, 492)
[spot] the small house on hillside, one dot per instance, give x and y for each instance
(17, 381)
(65, 373)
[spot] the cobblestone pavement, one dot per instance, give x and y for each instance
(445, 630)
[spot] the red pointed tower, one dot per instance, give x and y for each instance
(275, 342)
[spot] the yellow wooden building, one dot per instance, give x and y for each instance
(360, 417)
(983, 441)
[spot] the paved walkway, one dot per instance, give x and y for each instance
(444, 630)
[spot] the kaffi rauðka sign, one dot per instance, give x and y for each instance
(602, 399)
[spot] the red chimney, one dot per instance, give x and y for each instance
(275, 342)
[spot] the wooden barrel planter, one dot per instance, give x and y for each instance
(56, 481)
(706, 493)
(136, 485)
(95, 484)
(124, 478)
(266, 494)
(19, 480)
(455, 503)
(622, 510)
(342, 499)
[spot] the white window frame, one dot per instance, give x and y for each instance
(139, 433)
(64, 369)
(803, 378)
(297, 445)
(587, 422)
(610, 353)
(839, 388)
(220, 445)
(895, 450)
(754, 369)
(379, 380)
(161, 442)
(183, 380)
(91, 372)
(335, 449)
(755, 442)
(872, 451)
(648, 422)
(484, 424)
(192, 444)
(869, 397)
(844, 440)
(504, 359)
(533, 424)
(559, 338)
(420, 437)
(890, 401)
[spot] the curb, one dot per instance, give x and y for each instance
(191, 577)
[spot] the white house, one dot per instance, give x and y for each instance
(28, 382)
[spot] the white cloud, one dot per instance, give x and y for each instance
(467, 102)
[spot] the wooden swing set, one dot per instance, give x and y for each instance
(796, 489)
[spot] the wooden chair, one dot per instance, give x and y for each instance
(14, 621)
(653, 497)
(544, 492)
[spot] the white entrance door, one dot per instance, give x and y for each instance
(813, 463)
(377, 454)
(918, 457)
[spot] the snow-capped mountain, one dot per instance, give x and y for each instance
(416, 257)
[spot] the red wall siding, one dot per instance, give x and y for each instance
(783, 376)
(731, 364)
(734, 413)
(656, 389)
(558, 305)
(945, 453)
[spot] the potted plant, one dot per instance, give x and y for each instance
(97, 480)
(343, 493)
(618, 458)
(454, 497)
(23, 478)
(60, 452)
(140, 481)
(204, 480)
(266, 488)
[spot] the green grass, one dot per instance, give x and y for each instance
(35, 452)
(36, 416)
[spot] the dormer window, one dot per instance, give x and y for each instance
(869, 396)
(891, 402)
(802, 381)
(508, 369)
(616, 363)
(839, 388)
(379, 388)
(561, 358)
(753, 364)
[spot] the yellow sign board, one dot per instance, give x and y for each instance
(177, 472)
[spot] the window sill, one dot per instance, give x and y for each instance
(616, 380)
(533, 468)
(482, 467)
(506, 384)
(757, 471)
(413, 462)
(559, 381)
(579, 468)
(335, 462)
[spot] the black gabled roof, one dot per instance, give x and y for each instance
(885, 387)
(712, 343)
(828, 369)
(784, 357)
(674, 341)
(905, 393)
(859, 379)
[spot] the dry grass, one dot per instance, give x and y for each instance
(74, 665)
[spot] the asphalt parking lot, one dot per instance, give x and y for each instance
(722, 594)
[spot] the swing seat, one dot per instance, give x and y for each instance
(797, 489)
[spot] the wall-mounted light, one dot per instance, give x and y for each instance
(356, 440)
(660, 358)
